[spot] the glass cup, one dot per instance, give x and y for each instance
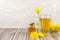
(45, 22)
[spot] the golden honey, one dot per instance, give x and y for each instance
(31, 28)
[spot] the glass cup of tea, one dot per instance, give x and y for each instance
(45, 22)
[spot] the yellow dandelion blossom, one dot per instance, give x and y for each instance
(34, 35)
(40, 34)
(52, 26)
(57, 27)
(37, 10)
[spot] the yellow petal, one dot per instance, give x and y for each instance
(34, 35)
(41, 34)
(37, 10)
(57, 27)
(52, 26)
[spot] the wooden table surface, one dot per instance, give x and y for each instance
(13, 34)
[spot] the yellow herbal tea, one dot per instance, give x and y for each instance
(45, 25)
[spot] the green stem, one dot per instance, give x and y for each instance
(39, 22)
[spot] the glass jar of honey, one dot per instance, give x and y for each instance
(31, 28)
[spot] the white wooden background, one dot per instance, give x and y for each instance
(19, 13)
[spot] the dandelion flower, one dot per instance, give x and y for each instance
(52, 26)
(37, 10)
(34, 35)
(57, 27)
(40, 34)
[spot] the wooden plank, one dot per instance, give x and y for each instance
(20, 35)
(2, 30)
(8, 34)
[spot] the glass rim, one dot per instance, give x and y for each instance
(45, 15)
